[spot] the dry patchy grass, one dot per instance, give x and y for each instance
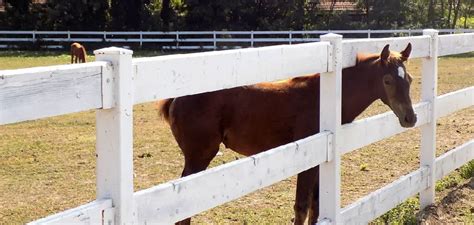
(47, 165)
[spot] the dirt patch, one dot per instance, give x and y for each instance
(455, 205)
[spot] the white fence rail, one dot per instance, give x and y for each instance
(114, 85)
(90, 213)
(179, 75)
(194, 39)
(54, 90)
(177, 200)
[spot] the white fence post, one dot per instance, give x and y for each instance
(429, 81)
(114, 132)
(141, 39)
(251, 38)
(177, 39)
(290, 36)
(214, 38)
(330, 120)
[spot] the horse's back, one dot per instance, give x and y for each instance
(76, 45)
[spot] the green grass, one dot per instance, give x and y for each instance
(23, 59)
(469, 23)
(464, 55)
(461, 174)
(406, 212)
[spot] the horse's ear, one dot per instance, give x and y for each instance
(406, 53)
(385, 53)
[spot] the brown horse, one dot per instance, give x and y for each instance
(78, 53)
(252, 119)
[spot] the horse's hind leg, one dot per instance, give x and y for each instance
(193, 166)
(197, 156)
(304, 194)
(314, 210)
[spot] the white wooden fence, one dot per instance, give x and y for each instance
(116, 82)
(193, 39)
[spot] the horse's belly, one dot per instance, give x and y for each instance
(252, 138)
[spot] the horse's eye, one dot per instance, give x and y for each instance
(388, 79)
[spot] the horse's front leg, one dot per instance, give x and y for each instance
(304, 194)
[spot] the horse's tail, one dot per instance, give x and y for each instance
(164, 108)
(84, 54)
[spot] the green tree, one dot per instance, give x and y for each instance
(382, 14)
(17, 14)
(165, 14)
(128, 14)
(77, 14)
(244, 14)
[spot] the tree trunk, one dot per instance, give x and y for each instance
(467, 14)
(367, 10)
(431, 13)
(165, 14)
(456, 13)
(450, 8)
(299, 15)
(442, 12)
(442, 8)
(329, 15)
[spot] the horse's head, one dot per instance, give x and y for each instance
(396, 83)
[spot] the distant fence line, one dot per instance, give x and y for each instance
(189, 40)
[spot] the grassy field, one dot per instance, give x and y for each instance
(47, 165)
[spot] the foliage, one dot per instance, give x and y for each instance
(244, 14)
(233, 15)
(127, 14)
(405, 213)
(76, 15)
(16, 14)
(467, 171)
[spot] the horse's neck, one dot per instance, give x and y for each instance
(358, 92)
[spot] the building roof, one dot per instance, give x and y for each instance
(337, 5)
(3, 3)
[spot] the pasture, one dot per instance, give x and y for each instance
(48, 165)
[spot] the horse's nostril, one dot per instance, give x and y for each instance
(410, 118)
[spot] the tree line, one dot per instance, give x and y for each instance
(167, 15)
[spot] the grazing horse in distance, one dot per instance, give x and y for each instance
(78, 53)
(253, 119)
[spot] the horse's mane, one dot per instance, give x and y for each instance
(364, 58)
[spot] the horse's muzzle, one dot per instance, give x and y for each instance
(409, 120)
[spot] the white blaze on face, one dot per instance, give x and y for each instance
(401, 72)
